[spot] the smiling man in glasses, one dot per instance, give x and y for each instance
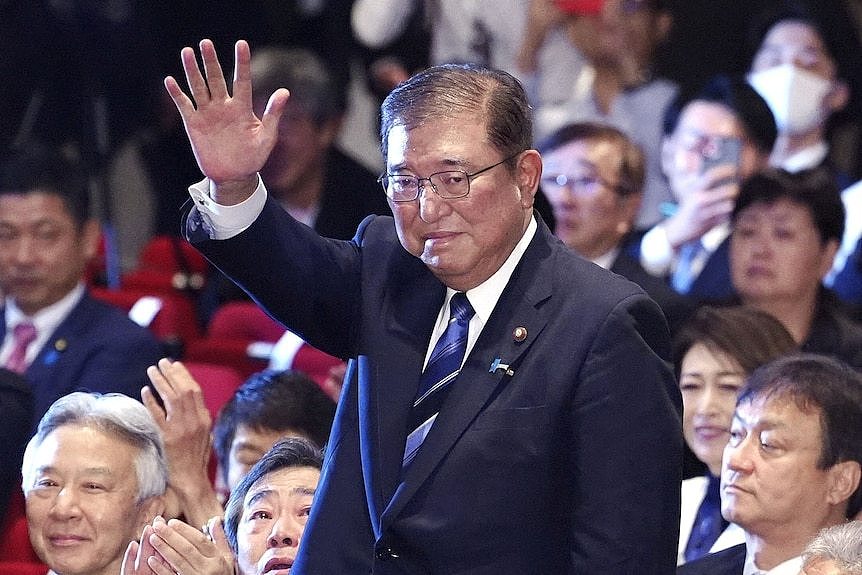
(486, 423)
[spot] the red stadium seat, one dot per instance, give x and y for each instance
(15, 545)
(171, 318)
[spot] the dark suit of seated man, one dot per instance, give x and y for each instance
(792, 466)
(555, 445)
(46, 239)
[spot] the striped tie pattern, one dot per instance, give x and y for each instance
(443, 367)
(22, 336)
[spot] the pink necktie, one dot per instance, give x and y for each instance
(23, 334)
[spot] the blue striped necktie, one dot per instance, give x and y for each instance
(442, 369)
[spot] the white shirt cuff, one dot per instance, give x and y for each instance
(224, 222)
(656, 252)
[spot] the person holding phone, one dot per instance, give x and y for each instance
(713, 140)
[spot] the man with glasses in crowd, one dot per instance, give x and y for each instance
(535, 428)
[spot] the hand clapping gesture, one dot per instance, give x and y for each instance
(230, 143)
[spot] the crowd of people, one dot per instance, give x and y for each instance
(595, 315)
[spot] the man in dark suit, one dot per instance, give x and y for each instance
(792, 466)
(52, 331)
(550, 442)
(593, 177)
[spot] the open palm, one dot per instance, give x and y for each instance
(230, 143)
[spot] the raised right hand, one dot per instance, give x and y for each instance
(230, 143)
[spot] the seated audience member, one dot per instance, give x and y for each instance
(715, 351)
(16, 407)
(93, 475)
(263, 524)
(786, 229)
(836, 550)
(310, 177)
(52, 331)
(306, 172)
(593, 178)
(616, 85)
(713, 140)
(807, 65)
(792, 465)
(267, 407)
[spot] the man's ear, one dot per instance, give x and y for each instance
(91, 235)
(830, 249)
(529, 171)
(838, 97)
(844, 481)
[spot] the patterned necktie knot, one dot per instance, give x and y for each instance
(23, 335)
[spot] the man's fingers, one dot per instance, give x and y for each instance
(242, 72)
(197, 85)
(181, 101)
(212, 67)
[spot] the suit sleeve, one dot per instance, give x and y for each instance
(626, 447)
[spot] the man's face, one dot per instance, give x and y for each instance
(709, 381)
(274, 514)
(43, 252)
(770, 484)
(249, 445)
(796, 43)
(591, 216)
(463, 241)
(776, 254)
(299, 152)
(702, 124)
(82, 510)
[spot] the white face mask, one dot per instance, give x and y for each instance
(794, 95)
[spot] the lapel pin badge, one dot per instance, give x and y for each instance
(519, 334)
(61, 344)
(497, 365)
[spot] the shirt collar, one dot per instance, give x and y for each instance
(789, 567)
(47, 319)
(806, 158)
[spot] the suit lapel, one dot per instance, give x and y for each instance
(410, 308)
(478, 384)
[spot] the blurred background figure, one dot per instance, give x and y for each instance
(267, 407)
(53, 331)
(93, 475)
(786, 230)
(714, 139)
(715, 351)
(617, 85)
(593, 179)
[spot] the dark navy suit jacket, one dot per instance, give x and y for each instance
(96, 348)
(567, 463)
(729, 561)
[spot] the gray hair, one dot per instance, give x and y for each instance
(456, 90)
(113, 413)
(841, 544)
